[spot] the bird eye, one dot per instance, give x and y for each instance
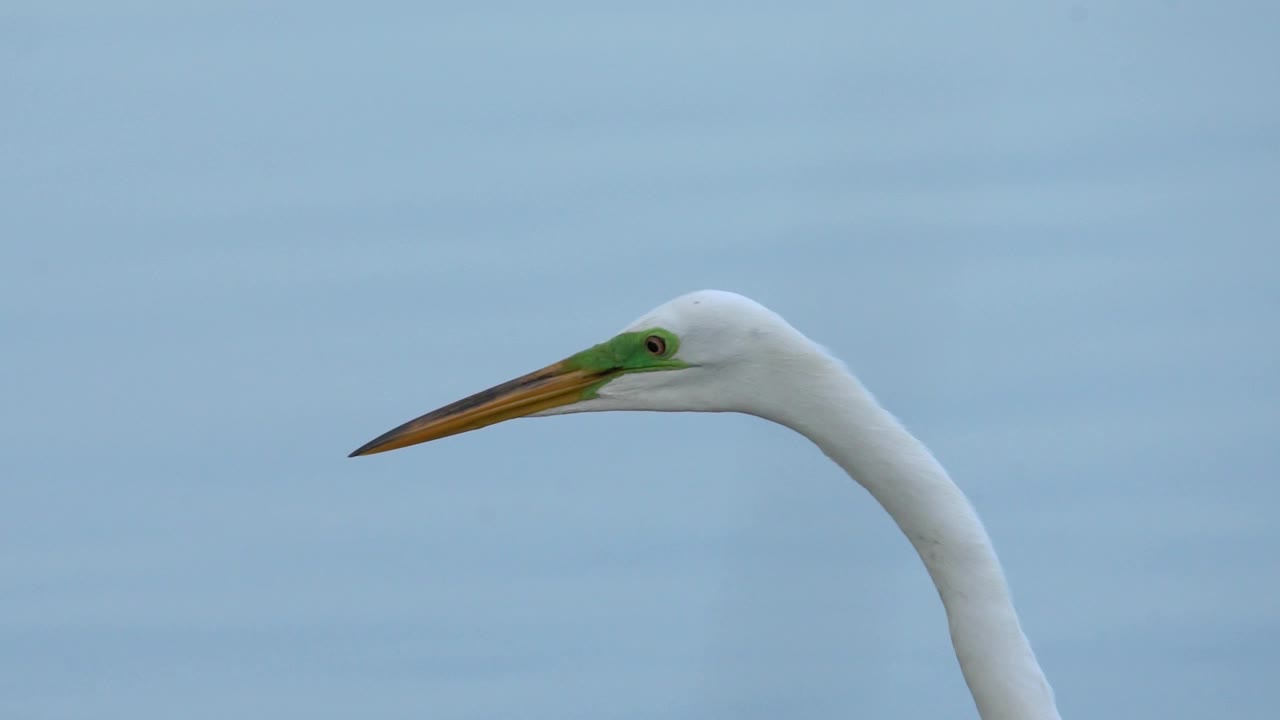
(655, 345)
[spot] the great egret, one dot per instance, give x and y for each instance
(714, 351)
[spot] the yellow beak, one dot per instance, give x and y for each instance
(552, 386)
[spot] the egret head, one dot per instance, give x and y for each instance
(709, 351)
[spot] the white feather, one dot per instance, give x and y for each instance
(745, 358)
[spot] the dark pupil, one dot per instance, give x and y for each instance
(654, 345)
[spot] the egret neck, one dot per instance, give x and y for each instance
(847, 423)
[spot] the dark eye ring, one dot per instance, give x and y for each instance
(655, 345)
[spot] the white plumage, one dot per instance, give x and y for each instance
(713, 351)
(748, 359)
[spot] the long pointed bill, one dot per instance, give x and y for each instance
(559, 384)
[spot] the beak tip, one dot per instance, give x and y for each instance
(558, 384)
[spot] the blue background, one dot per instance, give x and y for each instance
(239, 239)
